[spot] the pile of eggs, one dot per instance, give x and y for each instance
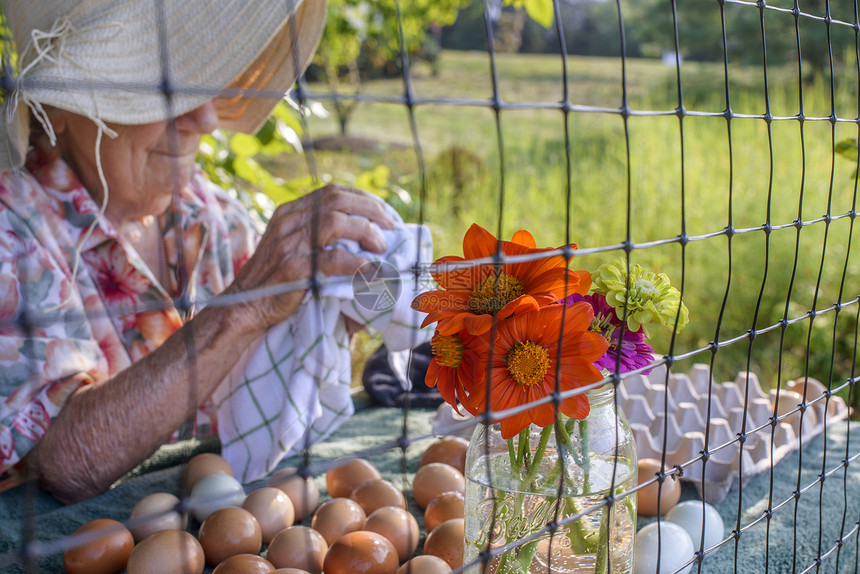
(672, 540)
(365, 527)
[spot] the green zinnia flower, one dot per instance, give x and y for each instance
(651, 299)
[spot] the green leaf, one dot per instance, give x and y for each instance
(375, 181)
(280, 191)
(247, 169)
(847, 148)
(288, 113)
(292, 123)
(244, 145)
(381, 173)
(275, 148)
(267, 132)
(281, 194)
(540, 11)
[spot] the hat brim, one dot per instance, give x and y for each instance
(253, 95)
(112, 66)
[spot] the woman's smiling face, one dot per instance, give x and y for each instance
(143, 165)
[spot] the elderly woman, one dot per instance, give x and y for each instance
(105, 223)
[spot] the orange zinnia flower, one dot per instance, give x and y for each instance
(457, 364)
(473, 295)
(523, 368)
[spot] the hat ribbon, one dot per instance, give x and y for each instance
(48, 46)
(43, 43)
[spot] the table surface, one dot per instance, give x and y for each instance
(822, 512)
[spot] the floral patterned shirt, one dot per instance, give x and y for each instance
(57, 334)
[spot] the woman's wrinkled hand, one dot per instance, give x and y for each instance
(287, 248)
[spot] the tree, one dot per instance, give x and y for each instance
(363, 35)
(590, 27)
(700, 37)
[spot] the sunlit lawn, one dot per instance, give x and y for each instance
(693, 177)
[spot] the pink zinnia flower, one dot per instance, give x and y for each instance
(633, 351)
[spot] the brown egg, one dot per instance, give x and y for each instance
(167, 552)
(298, 547)
(336, 517)
(447, 450)
(788, 401)
(398, 526)
(103, 547)
(342, 478)
(376, 493)
(272, 508)
(447, 505)
(361, 552)
(203, 464)
(156, 512)
(229, 531)
(303, 492)
(814, 388)
(433, 479)
(647, 497)
(244, 564)
(446, 541)
(425, 564)
(290, 571)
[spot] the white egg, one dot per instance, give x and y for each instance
(156, 512)
(688, 515)
(676, 549)
(213, 492)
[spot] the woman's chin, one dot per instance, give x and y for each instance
(156, 203)
(171, 183)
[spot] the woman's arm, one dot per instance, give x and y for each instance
(107, 428)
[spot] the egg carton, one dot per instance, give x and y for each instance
(682, 416)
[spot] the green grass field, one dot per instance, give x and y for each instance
(695, 177)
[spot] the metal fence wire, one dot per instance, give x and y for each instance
(799, 293)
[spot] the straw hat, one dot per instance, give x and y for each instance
(136, 62)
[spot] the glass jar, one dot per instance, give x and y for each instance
(515, 488)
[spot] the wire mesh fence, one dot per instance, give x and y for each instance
(730, 165)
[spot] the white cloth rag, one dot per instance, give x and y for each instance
(294, 389)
